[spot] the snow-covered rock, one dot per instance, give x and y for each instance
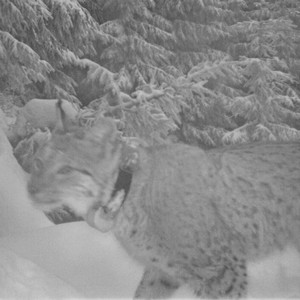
(42, 113)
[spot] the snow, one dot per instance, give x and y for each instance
(16, 211)
(93, 263)
(276, 276)
(39, 260)
(21, 278)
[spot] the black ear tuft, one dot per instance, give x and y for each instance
(61, 116)
(59, 106)
(64, 122)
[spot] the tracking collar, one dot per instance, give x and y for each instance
(123, 182)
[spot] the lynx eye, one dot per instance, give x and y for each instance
(65, 170)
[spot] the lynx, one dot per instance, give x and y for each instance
(190, 216)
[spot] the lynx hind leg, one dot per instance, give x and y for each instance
(230, 282)
(156, 284)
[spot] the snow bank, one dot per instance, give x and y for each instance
(276, 276)
(92, 262)
(16, 211)
(20, 278)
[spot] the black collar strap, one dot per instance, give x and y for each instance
(123, 183)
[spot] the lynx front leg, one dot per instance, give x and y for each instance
(156, 284)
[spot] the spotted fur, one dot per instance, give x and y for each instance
(191, 217)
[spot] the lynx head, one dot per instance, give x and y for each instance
(77, 167)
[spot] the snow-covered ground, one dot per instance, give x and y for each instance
(23, 279)
(39, 260)
(94, 264)
(16, 212)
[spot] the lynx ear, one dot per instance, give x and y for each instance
(63, 124)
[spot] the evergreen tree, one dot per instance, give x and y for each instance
(263, 42)
(137, 55)
(199, 29)
(209, 71)
(267, 106)
(37, 39)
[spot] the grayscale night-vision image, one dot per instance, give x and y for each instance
(149, 149)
